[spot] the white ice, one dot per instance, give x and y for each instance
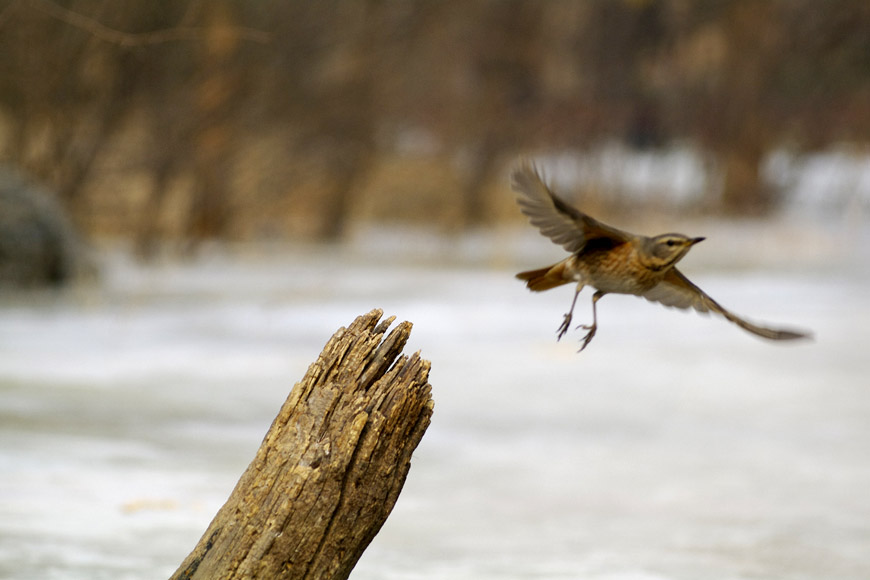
(675, 447)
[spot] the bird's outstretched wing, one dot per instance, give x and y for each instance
(676, 290)
(557, 220)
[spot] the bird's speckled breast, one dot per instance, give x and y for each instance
(616, 270)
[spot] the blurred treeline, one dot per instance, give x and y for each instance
(239, 119)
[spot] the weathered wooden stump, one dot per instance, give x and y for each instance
(331, 466)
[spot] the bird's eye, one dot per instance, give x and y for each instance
(671, 243)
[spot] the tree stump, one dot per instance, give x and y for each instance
(331, 467)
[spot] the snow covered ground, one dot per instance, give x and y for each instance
(675, 447)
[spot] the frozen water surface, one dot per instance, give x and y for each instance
(675, 447)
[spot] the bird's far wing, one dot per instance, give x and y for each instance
(676, 290)
(563, 224)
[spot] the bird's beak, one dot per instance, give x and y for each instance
(696, 240)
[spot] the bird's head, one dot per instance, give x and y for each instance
(667, 249)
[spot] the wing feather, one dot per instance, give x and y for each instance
(562, 223)
(677, 291)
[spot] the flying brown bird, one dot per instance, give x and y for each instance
(613, 261)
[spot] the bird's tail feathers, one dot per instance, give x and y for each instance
(544, 278)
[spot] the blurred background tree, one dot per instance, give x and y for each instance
(186, 120)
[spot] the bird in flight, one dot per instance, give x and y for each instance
(613, 261)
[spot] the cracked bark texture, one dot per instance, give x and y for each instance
(331, 467)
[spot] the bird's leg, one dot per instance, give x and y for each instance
(566, 323)
(594, 327)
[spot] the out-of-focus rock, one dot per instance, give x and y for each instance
(38, 244)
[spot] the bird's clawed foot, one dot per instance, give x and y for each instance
(587, 338)
(590, 329)
(563, 328)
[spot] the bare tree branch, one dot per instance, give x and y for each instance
(127, 39)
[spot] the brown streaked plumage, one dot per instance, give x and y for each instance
(613, 261)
